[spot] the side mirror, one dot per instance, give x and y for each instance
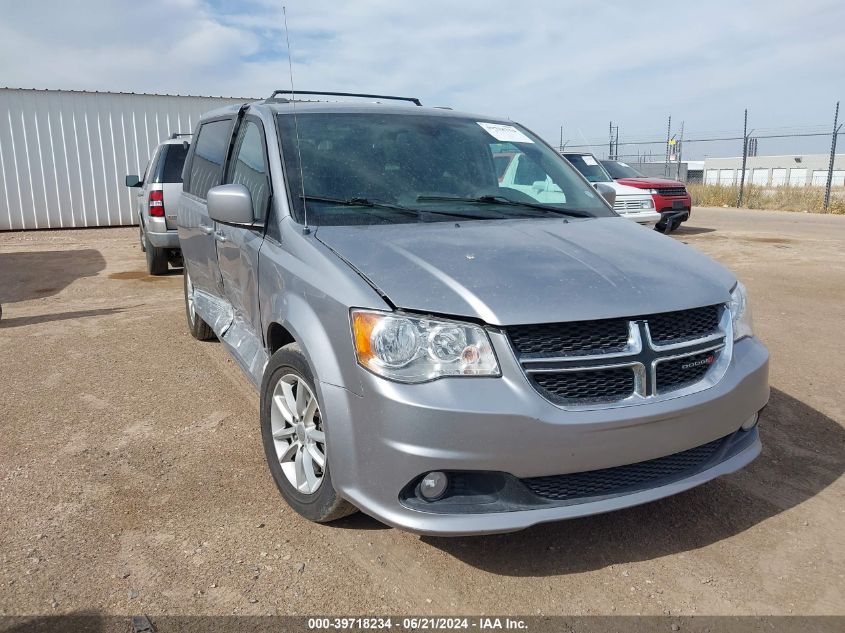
(133, 181)
(230, 204)
(607, 192)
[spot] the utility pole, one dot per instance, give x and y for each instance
(610, 142)
(560, 147)
(744, 158)
(680, 150)
(616, 145)
(668, 138)
(832, 157)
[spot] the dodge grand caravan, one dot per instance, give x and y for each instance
(446, 352)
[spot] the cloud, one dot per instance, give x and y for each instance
(545, 63)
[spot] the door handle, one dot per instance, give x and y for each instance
(220, 237)
(205, 229)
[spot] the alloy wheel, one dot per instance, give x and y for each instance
(296, 426)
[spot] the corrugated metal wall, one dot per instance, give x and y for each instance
(63, 154)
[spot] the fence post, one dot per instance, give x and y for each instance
(832, 157)
(744, 158)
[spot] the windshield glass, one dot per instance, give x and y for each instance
(618, 169)
(589, 167)
(366, 168)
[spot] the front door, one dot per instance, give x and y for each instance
(196, 229)
(238, 247)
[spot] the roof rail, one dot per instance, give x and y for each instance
(413, 100)
(178, 134)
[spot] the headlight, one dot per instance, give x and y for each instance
(413, 349)
(740, 312)
(649, 204)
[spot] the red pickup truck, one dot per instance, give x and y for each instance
(671, 198)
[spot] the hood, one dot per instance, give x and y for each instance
(649, 183)
(512, 272)
(625, 190)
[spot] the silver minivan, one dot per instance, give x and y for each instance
(446, 352)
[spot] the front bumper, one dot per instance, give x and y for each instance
(394, 433)
(674, 203)
(647, 218)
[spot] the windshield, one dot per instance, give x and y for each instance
(366, 168)
(589, 167)
(618, 169)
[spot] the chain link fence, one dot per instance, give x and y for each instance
(751, 166)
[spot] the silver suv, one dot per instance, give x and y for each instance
(445, 352)
(156, 202)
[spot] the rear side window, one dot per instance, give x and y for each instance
(174, 161)
(171, 160)
(209, 155)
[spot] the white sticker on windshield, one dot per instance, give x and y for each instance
(589, 160)
(505, 133)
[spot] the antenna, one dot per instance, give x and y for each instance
(305, 229)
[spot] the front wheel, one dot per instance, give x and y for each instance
(294, 435)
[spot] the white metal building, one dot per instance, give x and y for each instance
(64, 154)
(776, 171)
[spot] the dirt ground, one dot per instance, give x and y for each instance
(132, 477)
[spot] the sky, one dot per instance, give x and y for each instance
(543, 63)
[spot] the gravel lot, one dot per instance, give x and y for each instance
(132, 477)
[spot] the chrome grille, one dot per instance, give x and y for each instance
(683, 325)
(590, 386)
(632, 205)
(581, 337)
(679, 372)
(625, 361)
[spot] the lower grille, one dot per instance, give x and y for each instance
(623, 479)
(586, 386)
(681, 372)
(672, 191)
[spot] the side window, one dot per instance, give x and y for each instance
(209, 155)
(150, 170)
(248, 167)
(174, 160)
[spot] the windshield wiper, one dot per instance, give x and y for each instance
(507, 201)
(366, 202)
(359, 202)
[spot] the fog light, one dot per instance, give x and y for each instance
(750, 422)
(433, 485)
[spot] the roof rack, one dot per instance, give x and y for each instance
(413, 100)
(178, 134)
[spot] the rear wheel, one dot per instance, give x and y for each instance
(156, 257)
(294, 435)
(198, 328)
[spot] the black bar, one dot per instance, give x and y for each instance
(413, 100)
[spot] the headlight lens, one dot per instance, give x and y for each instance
(413, 349)
(740, 312)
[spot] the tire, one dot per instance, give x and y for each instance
(321, 504)
(156, 258)
(198, 328)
